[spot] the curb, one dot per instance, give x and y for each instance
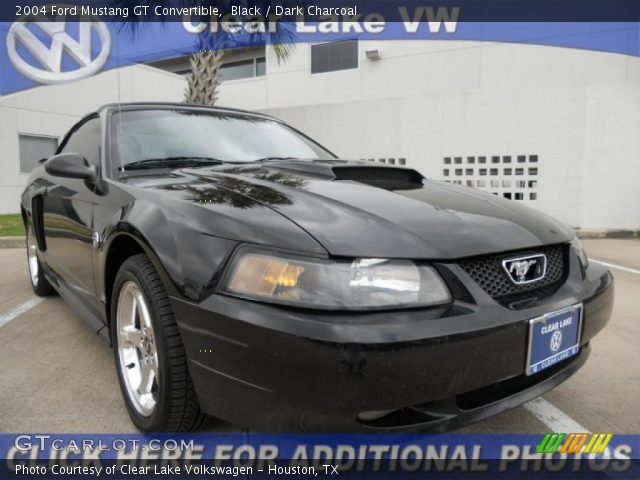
(602, 234)
(12, 242)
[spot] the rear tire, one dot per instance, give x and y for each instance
(40, 285)
(150, 358)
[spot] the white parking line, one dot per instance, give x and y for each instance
(560, 422)
(19, 310)
(553, 417)
(618, 267)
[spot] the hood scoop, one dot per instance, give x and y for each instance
(389, 178)
(381, 176)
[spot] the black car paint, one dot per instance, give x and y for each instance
(284, 368)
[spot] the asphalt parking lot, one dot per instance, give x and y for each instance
(56, 375)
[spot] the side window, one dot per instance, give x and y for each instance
(86, 142)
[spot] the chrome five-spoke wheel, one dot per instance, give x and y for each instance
(39, 282)
(137, 349)
(150, 358)
(32, 257)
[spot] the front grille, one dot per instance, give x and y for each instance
(488, 272)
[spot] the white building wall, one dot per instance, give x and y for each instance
(52, 110)
(611, 166)
(577, 110)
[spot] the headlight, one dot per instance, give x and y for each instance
(582, 255)
(365, 283)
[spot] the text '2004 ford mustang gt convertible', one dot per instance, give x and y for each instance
(242, 271)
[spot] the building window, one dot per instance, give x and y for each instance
(334, 56)
(33, 148)
(237, 63)
(261, 67)
(254, 67)
(503, 178)
(402, 161)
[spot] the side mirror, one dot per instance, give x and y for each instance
(69, 165)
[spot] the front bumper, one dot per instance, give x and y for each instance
(286, 370)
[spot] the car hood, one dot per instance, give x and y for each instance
(376, 212)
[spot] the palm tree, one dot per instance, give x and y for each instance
(204, 79)
(206, 64)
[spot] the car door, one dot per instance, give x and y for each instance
(67, 209)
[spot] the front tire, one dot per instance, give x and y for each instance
(150, 358)
(40, 285)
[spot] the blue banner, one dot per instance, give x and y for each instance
(38, 51)
(451, 455)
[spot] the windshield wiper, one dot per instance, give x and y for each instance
(170, 162)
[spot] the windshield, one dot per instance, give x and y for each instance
(154, 138)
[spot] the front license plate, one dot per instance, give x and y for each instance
(553, 337)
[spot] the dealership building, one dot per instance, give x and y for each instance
(555, 128)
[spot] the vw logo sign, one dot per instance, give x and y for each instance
(49, 51)
(556, 341)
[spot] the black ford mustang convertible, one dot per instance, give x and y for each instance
(240, 270)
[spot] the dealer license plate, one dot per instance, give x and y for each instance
(553, 337)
